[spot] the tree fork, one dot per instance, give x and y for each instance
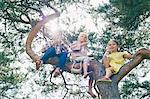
(106, 90)
(110, 90)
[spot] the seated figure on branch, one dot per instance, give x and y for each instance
(113, 60)
(59, 49)
(56, 48)
(81, 61)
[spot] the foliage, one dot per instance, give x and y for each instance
(128, 22)
(9, 78)
(127, 14)
(133, 88)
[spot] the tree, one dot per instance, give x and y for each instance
(107, 91)
(127, 14)
(110, 91)
(17, 18)
(9, 78)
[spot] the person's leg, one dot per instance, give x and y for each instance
(90, 83)
(62, 60)
(108, 72)
(90, 89)
(106, 78)
(85, 67)
(86, 64)
(50, 52)
(92, 72)
(106, 62)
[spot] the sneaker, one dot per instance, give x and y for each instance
(104, 79)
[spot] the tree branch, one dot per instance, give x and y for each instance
(139, 56)
(9, 17)
(34, 32)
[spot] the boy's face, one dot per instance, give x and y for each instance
(112, 46)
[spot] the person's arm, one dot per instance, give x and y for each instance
(107, 52)
(74, 45)
(106, 62)
(127, 55)
(83, 44)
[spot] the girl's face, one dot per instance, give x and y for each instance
(82, 37)
(112, 46)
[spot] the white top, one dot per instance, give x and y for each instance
(79, 50)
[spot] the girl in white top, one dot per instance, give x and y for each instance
(79, 53)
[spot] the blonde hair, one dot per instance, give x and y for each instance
(83, 33)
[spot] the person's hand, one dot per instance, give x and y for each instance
(107, 52)
(83, 44)
(72, 57)
(108, 49)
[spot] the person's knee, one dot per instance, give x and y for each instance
(111, 69)
(64, 54)
(90, 68)
(51, 49)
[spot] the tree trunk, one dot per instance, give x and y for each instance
(110, 90)
(106, 90)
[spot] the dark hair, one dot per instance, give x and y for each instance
(116, 43)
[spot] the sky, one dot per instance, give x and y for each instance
(80, 15)
(26, 64)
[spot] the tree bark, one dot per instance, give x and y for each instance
(110, 90)
(106, 90)
(34, 32)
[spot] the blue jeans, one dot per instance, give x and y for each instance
(51, 52)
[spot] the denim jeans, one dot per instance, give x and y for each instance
(51, 52)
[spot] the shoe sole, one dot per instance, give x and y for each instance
(103, 81)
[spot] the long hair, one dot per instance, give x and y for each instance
(116, 43)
